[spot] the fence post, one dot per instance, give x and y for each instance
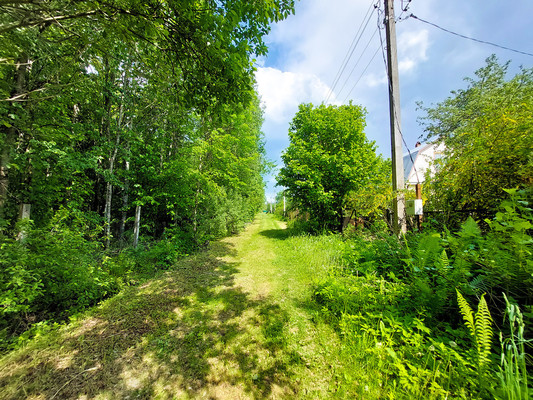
(419, 218)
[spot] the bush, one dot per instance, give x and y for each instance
(62, 269)
(341, 295)
(52, 273)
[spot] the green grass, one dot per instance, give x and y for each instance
(236, 321)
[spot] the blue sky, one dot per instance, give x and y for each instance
(308, 48)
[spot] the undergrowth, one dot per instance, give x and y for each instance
(406, 309)
(59, 271)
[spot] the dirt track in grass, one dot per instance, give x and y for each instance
(233, 322)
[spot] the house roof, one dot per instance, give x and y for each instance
(408, 163)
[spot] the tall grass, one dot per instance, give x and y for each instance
(513, 372)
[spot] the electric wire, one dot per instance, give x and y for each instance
(352, 48)
(358, 60)
(348, 52)
(404, 9)
(362, 73)
(468, 37)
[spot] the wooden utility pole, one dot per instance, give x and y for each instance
(398, 218)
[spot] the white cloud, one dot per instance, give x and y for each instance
(319, 34)
(412, 49)
(282, 92)
(373, 79)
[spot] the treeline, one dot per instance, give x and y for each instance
(121, 122)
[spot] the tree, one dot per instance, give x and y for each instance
(49, 48)
(107, 106)
(487, 130)
(373, 198)
(328, 157)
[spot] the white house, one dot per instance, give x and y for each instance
(419, 160)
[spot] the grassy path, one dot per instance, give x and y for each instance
(234, 322)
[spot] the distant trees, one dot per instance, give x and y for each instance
(488, 132)
(328, 157)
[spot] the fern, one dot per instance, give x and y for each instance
(480, 327)
(483, 332)
(478, 284)
(467, 313)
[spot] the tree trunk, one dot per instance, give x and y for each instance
(125, 199)
(107, 213)
(25, 212)
(106, 132)
(11, 135)
(113, 155)
(341, 219)
(136, 226)
(195, 211)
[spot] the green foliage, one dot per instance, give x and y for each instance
(388, 292)
(480, 327)
(371, 199)
(20, 286)
(435, 264)
(487, 132)
(61, 270)
(346, 294)
(208, 45)
(414, 360)
(107, 107)
(51, 274)
(328, 157)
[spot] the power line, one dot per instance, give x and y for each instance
(404, 9)
(362, 73)
(351, 49)
(357, 62)
(468, 37)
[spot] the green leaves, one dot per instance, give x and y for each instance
(480, 327)
(328, 157)
(487, 129)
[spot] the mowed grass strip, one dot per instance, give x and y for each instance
(233, 322)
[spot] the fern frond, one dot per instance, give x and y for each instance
(467, 313)
(478, 284)
(480, 327)
(483, 331)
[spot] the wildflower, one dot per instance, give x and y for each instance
(452, 343)
(431, 348)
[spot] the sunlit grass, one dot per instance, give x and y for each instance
(236, 321)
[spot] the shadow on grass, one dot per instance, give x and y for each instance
(279, 234)
(192, 333)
